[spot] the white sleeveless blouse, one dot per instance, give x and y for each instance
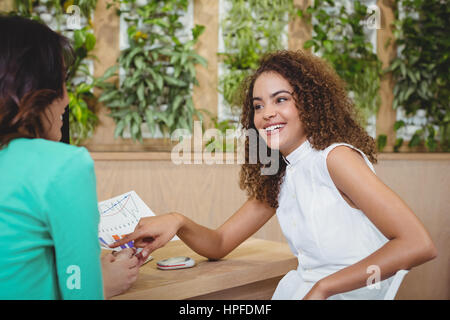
(323, 231)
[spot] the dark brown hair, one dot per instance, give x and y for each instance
(33, 62)
(326, 112)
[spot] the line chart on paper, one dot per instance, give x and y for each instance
(125, 206)
(119, 216)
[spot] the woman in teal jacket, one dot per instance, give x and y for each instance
(49, 219)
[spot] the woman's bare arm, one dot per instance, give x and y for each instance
(216, 244)
(409, 243)
(152, 233)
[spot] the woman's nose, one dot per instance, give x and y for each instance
(269, 112)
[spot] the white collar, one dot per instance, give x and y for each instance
(299, 153)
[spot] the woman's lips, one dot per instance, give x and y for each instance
(274, 128)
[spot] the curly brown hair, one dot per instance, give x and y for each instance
(326, 112)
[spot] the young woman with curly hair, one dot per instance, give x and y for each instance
(339, 219)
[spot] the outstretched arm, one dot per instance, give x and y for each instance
(409, 243)
(154, 232)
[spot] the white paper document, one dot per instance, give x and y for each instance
(119, 217)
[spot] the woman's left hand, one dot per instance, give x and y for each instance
(120, 270)
(316, 293)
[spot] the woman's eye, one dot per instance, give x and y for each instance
(281, 99)
(257, 106)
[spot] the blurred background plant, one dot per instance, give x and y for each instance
(80, 82)
(157, 70)
(421, 73)
(340, 36)
(226, 139)
(249, 29)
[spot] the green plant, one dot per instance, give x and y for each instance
(250, 29)
(80, 83)
(421, 71)
(159, 70)
(82, 117)
(221, 143)
(340, 39)
(381, 142)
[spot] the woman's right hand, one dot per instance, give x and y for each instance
(152, 233)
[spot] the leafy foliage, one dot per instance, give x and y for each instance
(82, 117)
(250, 29)
(340, 39)
(158, 70)
(421, 71)
(222, 143)
(80, 82)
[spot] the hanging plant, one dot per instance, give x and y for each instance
(421, 72)
(80, 82)
(339, 37)
(249, 29)
(158, 70)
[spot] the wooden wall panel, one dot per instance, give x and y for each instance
(6, 5)
(106, 30)
(209, 194)
(425, 187)
(205, 95)
(299, 29)
(386, 115)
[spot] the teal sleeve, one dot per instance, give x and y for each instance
(73, 218)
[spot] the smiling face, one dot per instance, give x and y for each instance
(53, 117)
(276, 116)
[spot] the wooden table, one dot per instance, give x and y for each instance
(250, 272)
